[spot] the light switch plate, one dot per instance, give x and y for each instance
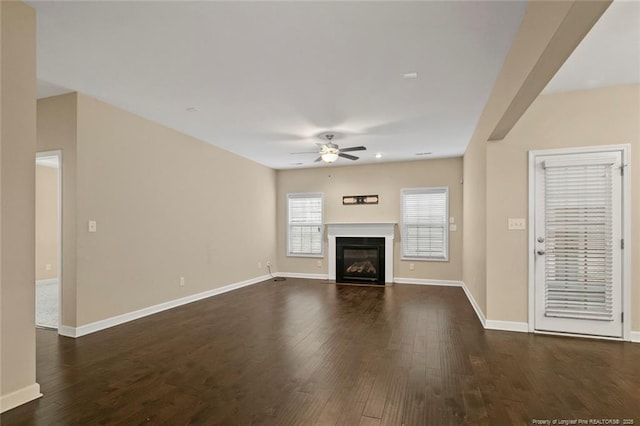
(453, 227)
(517, 224)
(93, 226)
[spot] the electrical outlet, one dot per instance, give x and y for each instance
(319, 263)
(93, 226)
(259, 265)
(412, 267)
(517, 224)
(181, 281)
(269, 264)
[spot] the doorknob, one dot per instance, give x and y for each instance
(540, 252)
(541, 239)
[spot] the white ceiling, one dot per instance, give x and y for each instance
(609, 55)
(267, 77)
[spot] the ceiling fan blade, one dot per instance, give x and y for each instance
(353, 148)
(350, 157)
(318, 159)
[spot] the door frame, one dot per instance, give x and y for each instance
(626, 232)
(57, 153)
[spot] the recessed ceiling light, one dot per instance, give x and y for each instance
(192, 109)
(378, 155)
(410, 75)
(423, 153)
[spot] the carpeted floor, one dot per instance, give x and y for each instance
(47, 294)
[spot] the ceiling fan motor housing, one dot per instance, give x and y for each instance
(330, 147)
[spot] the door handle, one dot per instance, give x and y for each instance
(540, 252)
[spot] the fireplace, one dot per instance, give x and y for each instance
(360, 260)
(385, 231)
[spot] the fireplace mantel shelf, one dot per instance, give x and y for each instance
(361, 229)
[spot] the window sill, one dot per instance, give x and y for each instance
(315, 256)
(425, 259)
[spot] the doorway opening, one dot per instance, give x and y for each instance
(48, 239)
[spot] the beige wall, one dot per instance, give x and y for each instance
(575, 119)
(46, 222)
(386, 180)
(475, 207)
(17, 211)
(166, 205)
(56, 130)
(548, 34)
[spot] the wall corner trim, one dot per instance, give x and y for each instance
(635, 336)
(422, 281)
(130, 316)
(520, 327)
(67, 331)
(19, 397)
(475, 305)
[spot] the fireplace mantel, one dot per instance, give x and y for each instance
(384, 230)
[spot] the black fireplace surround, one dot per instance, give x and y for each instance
(360, 260)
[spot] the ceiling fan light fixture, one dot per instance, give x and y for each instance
(329, 157)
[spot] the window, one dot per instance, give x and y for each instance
(305, 226)
(424, 223)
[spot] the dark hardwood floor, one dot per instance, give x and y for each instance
(307, 352)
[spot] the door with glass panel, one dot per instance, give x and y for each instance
(578, 243)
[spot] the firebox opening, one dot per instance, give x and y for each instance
(360, 260)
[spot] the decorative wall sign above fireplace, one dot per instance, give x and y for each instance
(359, 199)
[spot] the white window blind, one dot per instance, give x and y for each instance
(305, 224)
(578, 237)
(424, 223)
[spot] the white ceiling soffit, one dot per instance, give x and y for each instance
(261, 79)
(609, 54)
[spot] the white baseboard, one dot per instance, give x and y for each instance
(65, 330)
(474, 304)
(130, 316)
(422, 281)
(635, 336)
(301, 275)
(19, 397)
(521, 327)
(47, 281)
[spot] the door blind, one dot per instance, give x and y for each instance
(579, 239)
(305, 224)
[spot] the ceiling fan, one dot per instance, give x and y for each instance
(330, 152)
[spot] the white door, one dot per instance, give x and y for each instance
(578, 243)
